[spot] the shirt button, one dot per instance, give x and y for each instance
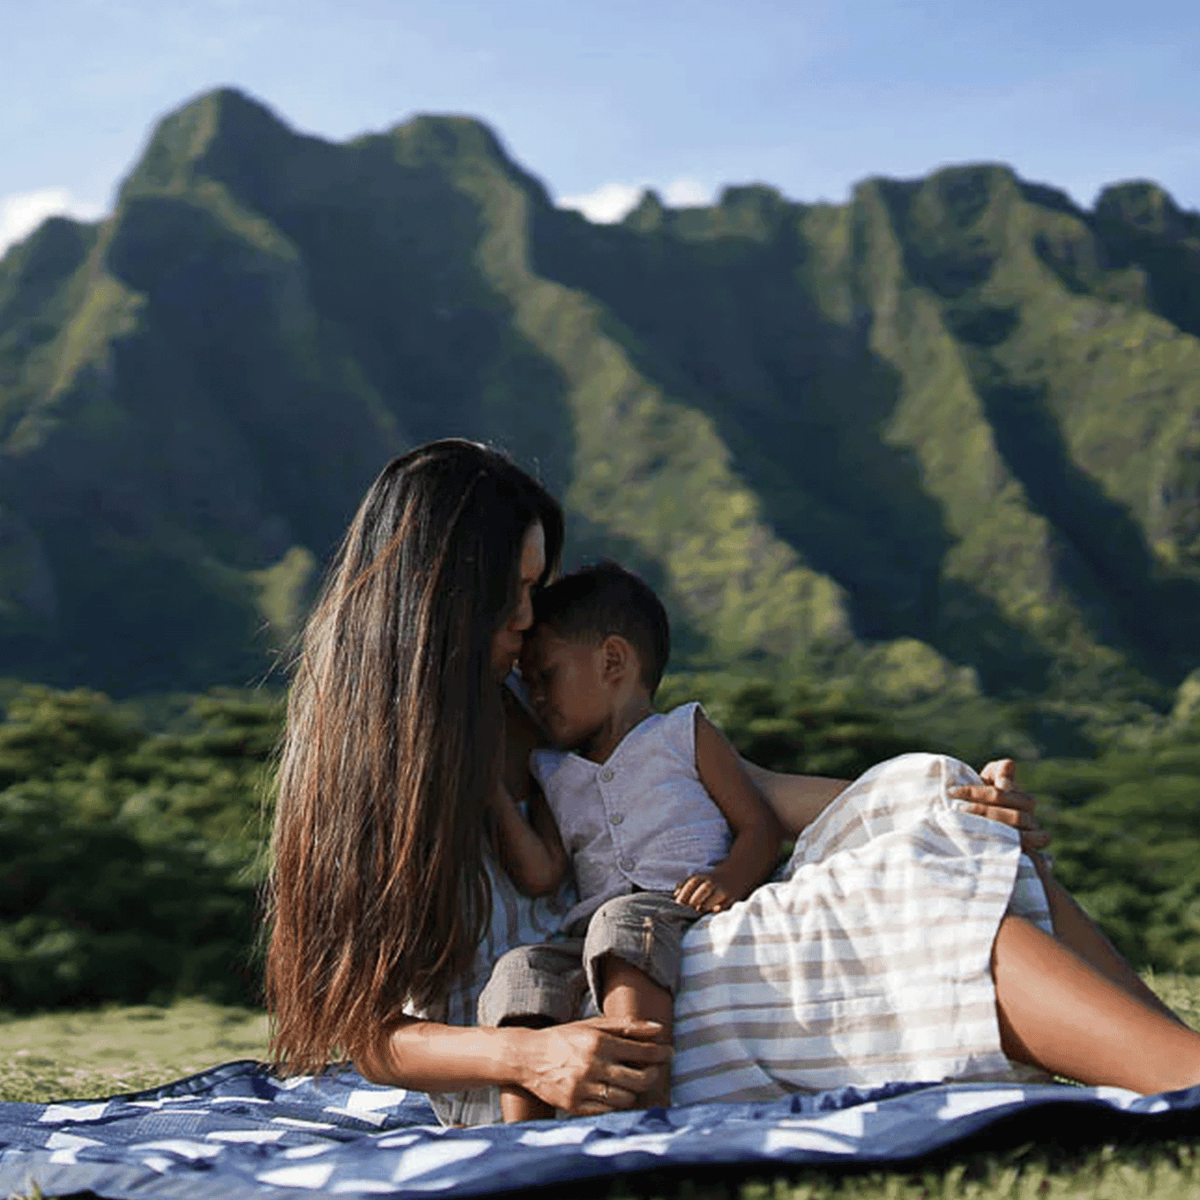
(627, 864)
(616, 819)
(606, 774)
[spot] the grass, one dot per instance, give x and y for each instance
(79, 1055)
(89, 1054)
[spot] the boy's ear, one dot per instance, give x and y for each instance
(618, 657)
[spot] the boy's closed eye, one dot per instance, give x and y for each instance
(532, 672)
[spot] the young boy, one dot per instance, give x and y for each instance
(661, 822)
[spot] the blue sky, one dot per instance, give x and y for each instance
(601, 99)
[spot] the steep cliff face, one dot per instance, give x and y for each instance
(955, 413)
(961, 398)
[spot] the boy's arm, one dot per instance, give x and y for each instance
(756, 829)
(530, 851)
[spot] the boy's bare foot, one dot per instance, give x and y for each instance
(516, 1104)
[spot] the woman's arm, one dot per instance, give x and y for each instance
(797, 799)
(430, 1057)
(800, 799)
(584, 1067)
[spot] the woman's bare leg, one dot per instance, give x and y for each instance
(1074, 928)
(1058, 1012)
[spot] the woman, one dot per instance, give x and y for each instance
(388, 909)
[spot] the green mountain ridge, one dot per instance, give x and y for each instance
(944, 435)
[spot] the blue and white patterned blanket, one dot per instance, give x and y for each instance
(233, 1132)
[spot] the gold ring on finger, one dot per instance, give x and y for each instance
(604, 1092)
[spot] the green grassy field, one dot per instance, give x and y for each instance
(88, 1054)
(78, 1055)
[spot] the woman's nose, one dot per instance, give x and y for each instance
(523, 617)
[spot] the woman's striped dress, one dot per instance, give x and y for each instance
(867, 960)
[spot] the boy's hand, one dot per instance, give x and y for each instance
(707, 892)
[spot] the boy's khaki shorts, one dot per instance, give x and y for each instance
(548, 980)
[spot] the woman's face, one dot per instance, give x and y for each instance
(506, 644)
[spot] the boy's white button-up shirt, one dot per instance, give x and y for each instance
(641, 819)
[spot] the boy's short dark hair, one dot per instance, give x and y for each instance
(604, 599)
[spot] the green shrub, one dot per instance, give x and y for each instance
(130, 854)
(130, 858)
(1126, 829)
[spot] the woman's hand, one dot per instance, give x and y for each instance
(998, 798)
(596, 1065)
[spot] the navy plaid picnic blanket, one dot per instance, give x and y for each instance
(235, 1132)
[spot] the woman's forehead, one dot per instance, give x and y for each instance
(533, 551)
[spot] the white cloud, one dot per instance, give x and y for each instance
(612, 201)
(22, 212)
(687, 193)
(606, 204)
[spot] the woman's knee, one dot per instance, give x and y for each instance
(922, 765)
(892, 795)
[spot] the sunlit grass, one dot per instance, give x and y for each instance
(77, 1055)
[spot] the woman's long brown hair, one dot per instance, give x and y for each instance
(377, 894)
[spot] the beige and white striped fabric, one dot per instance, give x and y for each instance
(866, 961)
(869, 961)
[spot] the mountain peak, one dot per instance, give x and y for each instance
(1141, 203)
(218, 127)
(452, 141)
(647, 214)
(444, 136)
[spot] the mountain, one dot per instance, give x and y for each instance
(943, 437)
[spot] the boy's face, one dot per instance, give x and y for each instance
(567, 686)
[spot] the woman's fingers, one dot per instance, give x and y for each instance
(596, 1065)
(629, 1052)
(1005, 816)
(625, 1063)
(983, 793)
(625, 1027)
(1011, 807)
(624, 1080)
(1000, 772)
(627, 1041)
(608, 1097)
(1008, 805)
(633, 1063)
